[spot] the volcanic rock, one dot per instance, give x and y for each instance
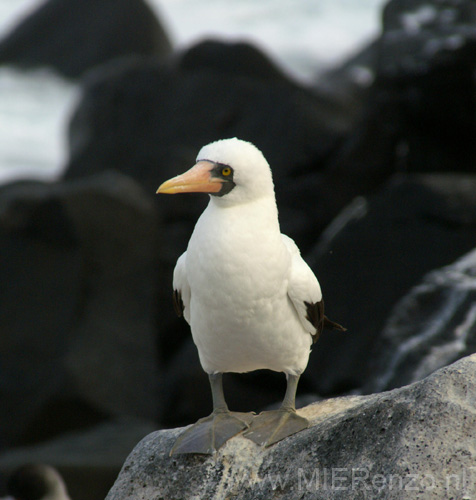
(370, 257)
(418, 439)
(431, 327)
(71, 37)
(78, 319)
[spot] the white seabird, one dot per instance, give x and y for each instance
(250, 299)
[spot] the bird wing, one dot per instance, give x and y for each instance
(304, 291)
(182, 292)
(305, 294)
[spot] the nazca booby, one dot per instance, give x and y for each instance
(250, 299)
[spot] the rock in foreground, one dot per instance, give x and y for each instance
(415, 442)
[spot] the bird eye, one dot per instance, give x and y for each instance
(226, 171)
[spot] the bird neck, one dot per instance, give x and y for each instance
(261, 214)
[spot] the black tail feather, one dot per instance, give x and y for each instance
(333, 325)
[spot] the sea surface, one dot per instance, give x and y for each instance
(305, 37)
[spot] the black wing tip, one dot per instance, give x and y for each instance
(315, 315)
(178, 303)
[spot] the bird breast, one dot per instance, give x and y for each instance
(237, 253)
(241, 317)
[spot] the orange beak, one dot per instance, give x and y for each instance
(196, 180)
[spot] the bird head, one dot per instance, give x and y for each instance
(232, 171)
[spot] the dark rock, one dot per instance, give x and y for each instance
(417, 439)
(431, 327)
(373, 254)
(419, 35)
(351, 81)
(89, 461)
(420, 115)
(186, 395)
(145, 120)
(426, 60)
(80, 271)
(234, 58)
(72, 37)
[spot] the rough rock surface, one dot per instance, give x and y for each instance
(370, 257)
(78, 315)
(431, 327)
(72, 37)
(418, 441)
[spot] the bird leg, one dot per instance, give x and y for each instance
(208, 434)
(269, 427)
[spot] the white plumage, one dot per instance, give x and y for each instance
(249, 297)
(244, 284)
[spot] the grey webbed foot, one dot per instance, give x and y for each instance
(208, 434)
(269, 427)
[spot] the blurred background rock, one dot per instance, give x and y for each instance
(371, 136)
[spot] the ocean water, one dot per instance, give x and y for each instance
(304, 37)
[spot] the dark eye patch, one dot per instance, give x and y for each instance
(225, 173)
